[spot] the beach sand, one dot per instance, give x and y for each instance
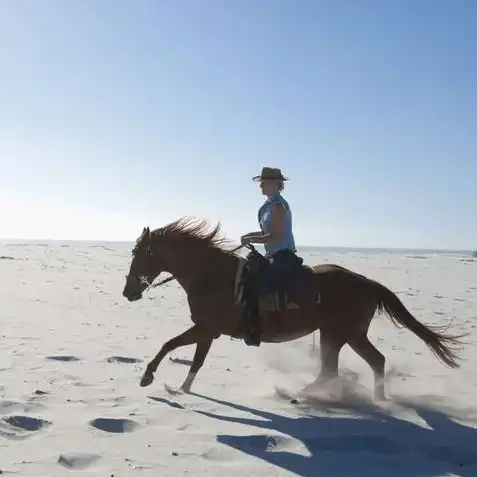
(73, 351)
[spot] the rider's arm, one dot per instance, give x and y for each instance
(254, 234)
(278, 216)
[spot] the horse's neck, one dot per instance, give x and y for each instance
(193, 268)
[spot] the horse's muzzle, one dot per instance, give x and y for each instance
(133, 289)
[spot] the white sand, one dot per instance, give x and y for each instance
(73, 351)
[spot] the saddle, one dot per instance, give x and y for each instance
(295, 290)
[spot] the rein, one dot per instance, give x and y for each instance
(172, 277)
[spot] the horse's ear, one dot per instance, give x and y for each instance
(146, 233)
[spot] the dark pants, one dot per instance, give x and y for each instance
(282, 264)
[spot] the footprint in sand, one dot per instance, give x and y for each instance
(116, 426)
(39, 392)
(185, 362)
(123, 359)
(257, 445)
(21, 427)
(65, 359)
(77, 460)
(8, 407)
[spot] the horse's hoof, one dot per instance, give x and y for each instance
(176, 391)
(146, 380)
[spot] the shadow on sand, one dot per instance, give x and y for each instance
(374, 443)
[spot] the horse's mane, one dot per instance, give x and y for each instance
(196, 231)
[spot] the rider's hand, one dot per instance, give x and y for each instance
(245, 239)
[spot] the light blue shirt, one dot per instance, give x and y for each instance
(265, 214)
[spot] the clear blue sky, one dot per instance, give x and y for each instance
(117, 114)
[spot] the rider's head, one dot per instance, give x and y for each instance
(271, 180)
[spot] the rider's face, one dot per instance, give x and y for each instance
(268, 186)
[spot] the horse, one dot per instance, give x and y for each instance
(332, 299)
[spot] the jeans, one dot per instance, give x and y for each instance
(282, 264)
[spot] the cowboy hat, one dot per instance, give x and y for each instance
(270, 173)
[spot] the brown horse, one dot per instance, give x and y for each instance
(337, 301)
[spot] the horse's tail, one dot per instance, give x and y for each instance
(440, 343)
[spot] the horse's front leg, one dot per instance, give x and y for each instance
(200, 354)
(191, 336)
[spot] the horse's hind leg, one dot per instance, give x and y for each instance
(376, 360)
(201, 351)
(331, 343)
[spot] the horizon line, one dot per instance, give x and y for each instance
(302, 246)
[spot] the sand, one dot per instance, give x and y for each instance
(73, 351)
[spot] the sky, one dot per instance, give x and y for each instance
(118, 114)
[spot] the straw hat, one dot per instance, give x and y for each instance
(270, 173)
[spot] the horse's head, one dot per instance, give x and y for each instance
(185, 248)
(145, 267)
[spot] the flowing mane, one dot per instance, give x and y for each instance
(196, 231)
